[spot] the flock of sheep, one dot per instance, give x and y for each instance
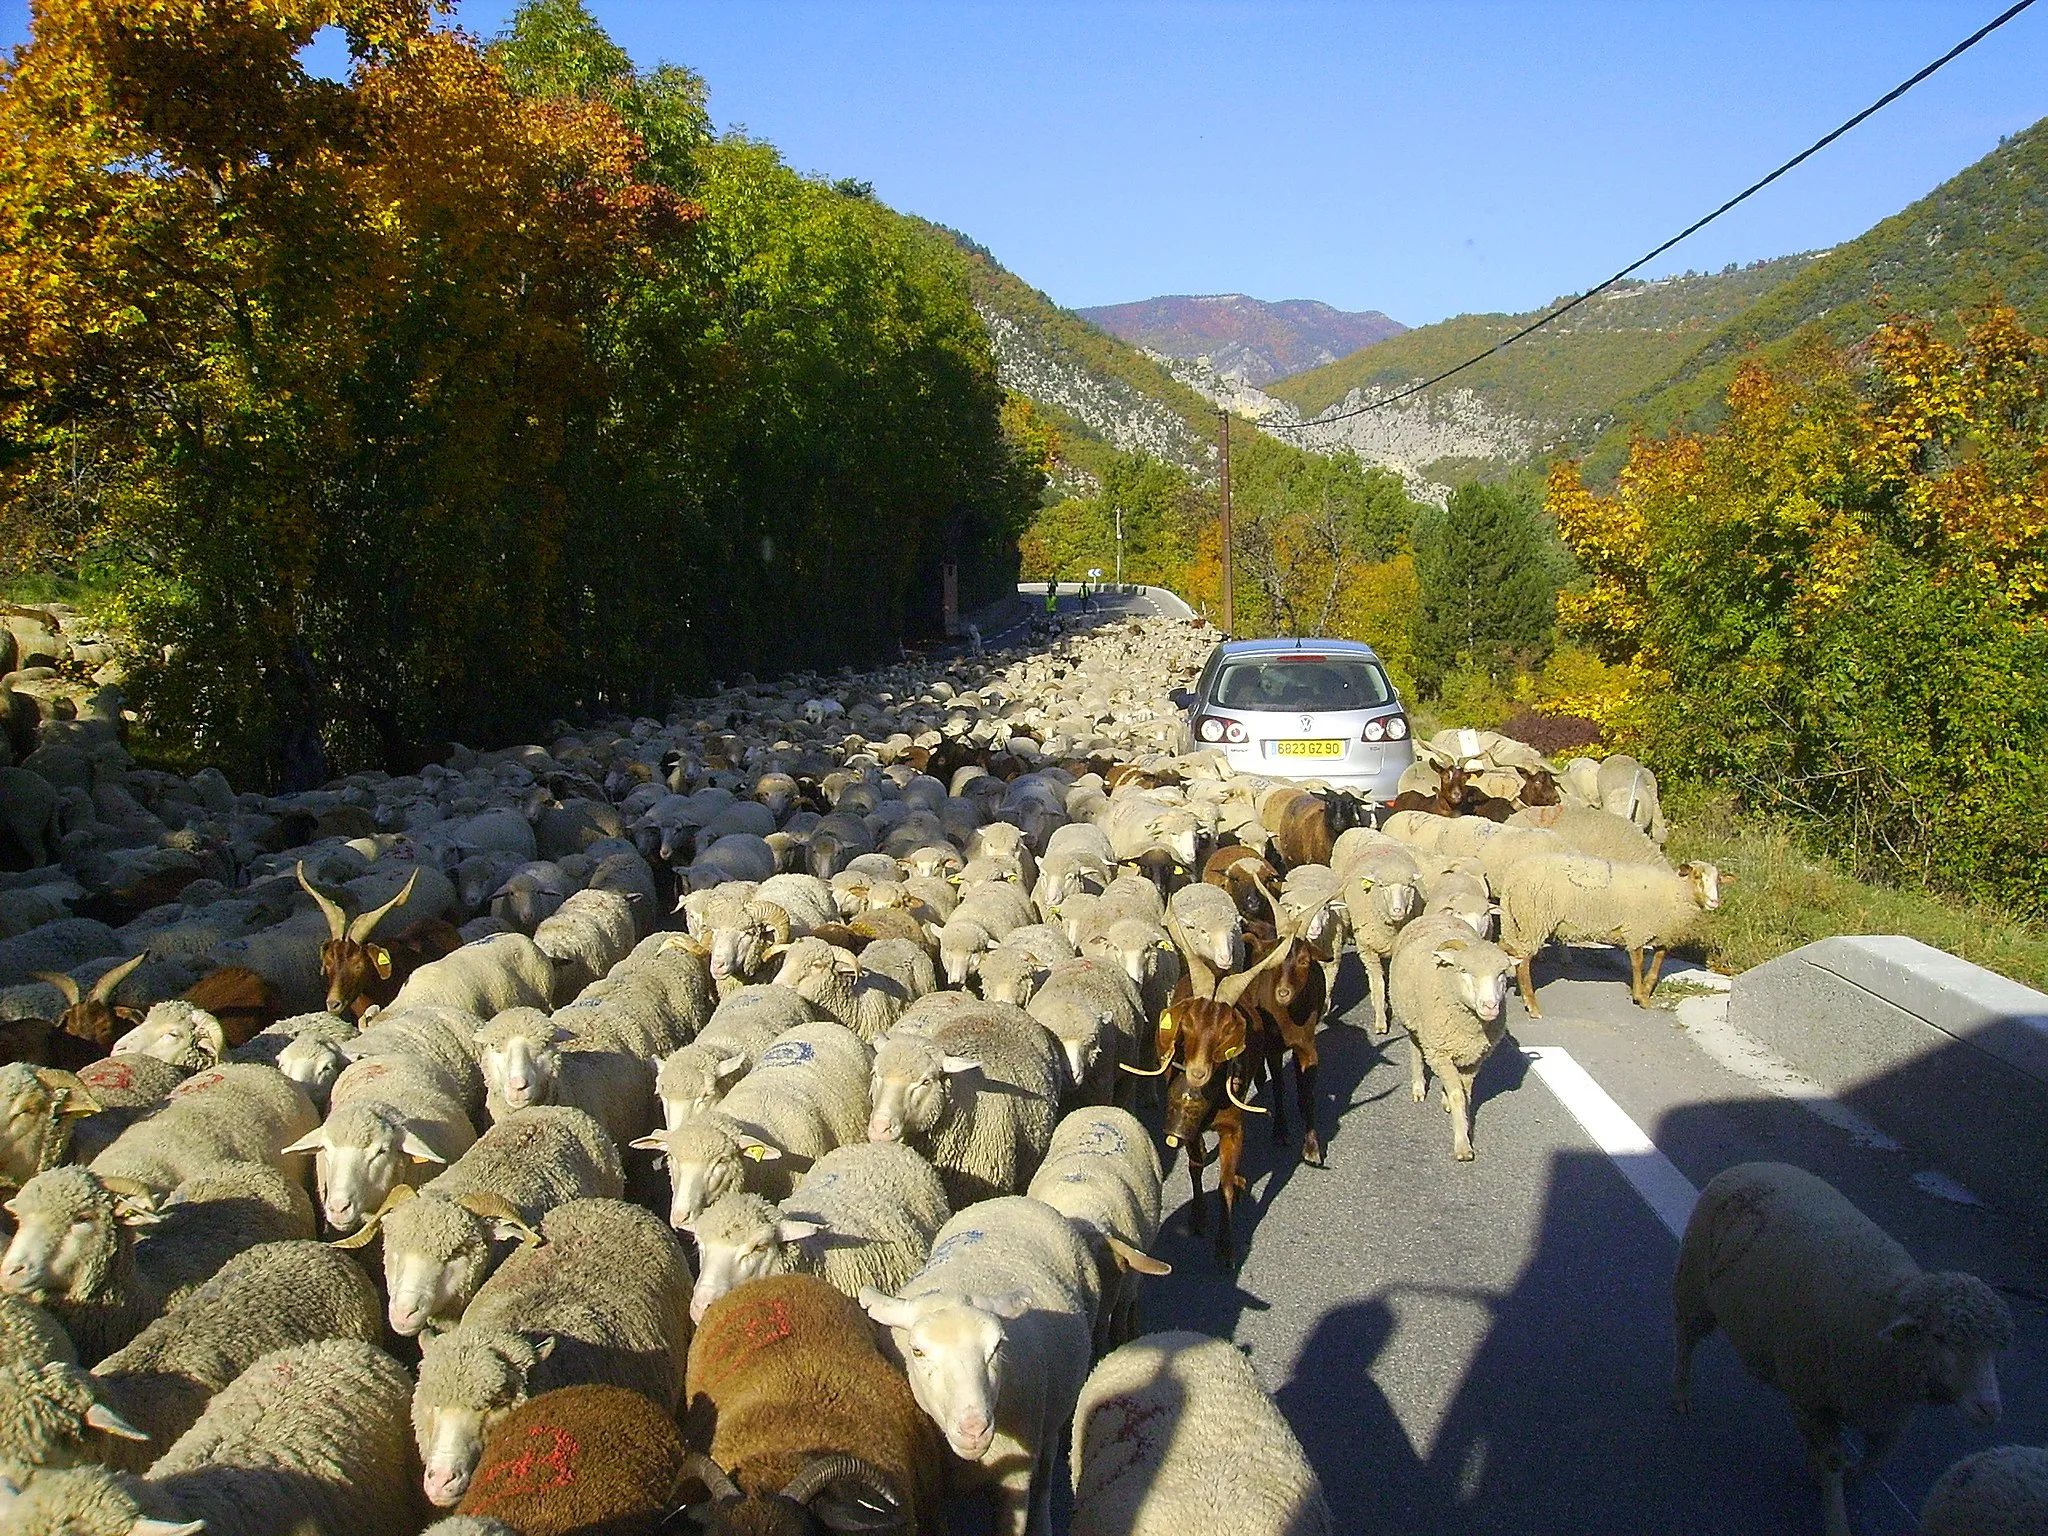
(740, 1123)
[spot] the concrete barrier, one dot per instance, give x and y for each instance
(1941, 1053)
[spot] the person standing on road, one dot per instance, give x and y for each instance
(1052, 598)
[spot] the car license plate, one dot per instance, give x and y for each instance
(1308, 749)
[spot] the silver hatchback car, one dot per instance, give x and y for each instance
(1302, 709)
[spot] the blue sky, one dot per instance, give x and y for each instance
(1421, 159)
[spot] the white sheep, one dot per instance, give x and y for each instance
(388, 1117)
(1624, 787)
(1999, 1492)
(307, 1438)
(1822, 1304)
(981, 921)
(866, 999)
(1077, 857)
(865, 1215)
(805, 900)
(141, 1398)
(231, 1113)
(29, 1336)
(529, 1059)
(995, 1332)
(1596, 833)
(440, 1244)
(1448, 991)
(307, 1048)
(1102, 1173)
(1173, 1434)
(1205, 922)
(444, 1036)
(1097, 1014)
(674, 969)
(506, 970)
(603, 1298)
(174, 1031)
(40, 1107)
(1382, 893)
(1462, 895)
(978, 1094)
(1583, 900)
(585, 937)
(806, 1095)
(75, 1247)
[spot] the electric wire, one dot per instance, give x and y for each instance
(1693, 228)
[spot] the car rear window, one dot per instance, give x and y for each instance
(1302, 682)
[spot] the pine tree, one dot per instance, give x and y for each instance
(1488, 571)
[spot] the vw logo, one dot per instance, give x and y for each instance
(1307, 721)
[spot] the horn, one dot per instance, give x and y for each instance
(1200, 975)
(1160, 1071)
(1231, 988)
(72, 1096)
(62, 983)
(1230, 1093)
(1272, 904)
(337, 920)
(361, 929)
(360, 1238)
(819, 1472)
(776, 918)
(103, 989)
(711, 1475)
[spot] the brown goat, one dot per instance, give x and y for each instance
(85, 1030)
(1448, 800)
(362, 974)
(242, 1000)
(1288, 1001)
(801, 1412)
(1211, 1046)
(1238, 872)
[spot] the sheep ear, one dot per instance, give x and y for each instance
(1447, 952)
(889, 1311)
(952, 1065)
(314, 1140)
(1899, 1330)
(1138, 1259)
(759, 1151)
(414, 1146)
(103, 1418)
(658, 1142)
(166, 1528)
(1009, 1305)
(545, 1347)
(796, 1231)
(729, 1066)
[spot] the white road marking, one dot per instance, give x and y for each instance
(1668, 1193)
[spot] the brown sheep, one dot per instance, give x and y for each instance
(583, 1460)
(243, 1002)
(797, 1405)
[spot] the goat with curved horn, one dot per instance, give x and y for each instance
(363, 927)
(337, 919)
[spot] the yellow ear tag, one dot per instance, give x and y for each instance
(381, 958)
(1234, 1051)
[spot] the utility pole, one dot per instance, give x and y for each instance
(1119, 546)
(1223, 501)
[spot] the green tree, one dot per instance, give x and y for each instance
(1487, 566)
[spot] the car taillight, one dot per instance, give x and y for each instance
(1387, 728)
(1216, 728)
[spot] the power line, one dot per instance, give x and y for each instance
(1693, 228)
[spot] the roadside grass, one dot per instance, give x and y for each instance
(90, 592)
(1785, 896)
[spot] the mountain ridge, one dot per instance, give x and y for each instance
(1254, 340)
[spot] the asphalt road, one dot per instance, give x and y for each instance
(1486, 1347)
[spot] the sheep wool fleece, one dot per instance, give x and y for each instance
(581, 1459)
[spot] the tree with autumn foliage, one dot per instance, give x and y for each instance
(478, 388)
(1838, 600)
